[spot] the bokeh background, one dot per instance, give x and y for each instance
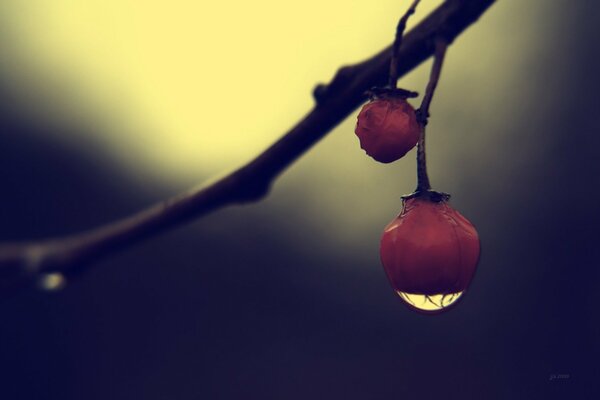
(108, 106)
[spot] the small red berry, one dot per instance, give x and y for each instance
(387, 128)
(429, 252)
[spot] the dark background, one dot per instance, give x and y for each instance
(250, 303)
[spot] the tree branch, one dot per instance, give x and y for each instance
(20, 263)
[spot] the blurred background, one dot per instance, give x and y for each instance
(109, 106)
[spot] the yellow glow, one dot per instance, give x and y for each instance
(435, 302)
(188, 84)
(52, 282)
(179, 91)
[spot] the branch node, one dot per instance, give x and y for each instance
(320, 92)
(340, 80)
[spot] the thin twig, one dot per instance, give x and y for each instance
(21, 263)
(423, 183)
(393, 82)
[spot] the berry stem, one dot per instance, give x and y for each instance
(393, 80)
(423, 183)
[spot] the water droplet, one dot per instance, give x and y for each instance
(52, 282)
(429, 303)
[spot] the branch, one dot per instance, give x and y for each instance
(21, 263)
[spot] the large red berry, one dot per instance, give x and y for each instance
(387, 128)
(429, 252)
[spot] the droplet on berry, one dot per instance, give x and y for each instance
(387, 128)
(430, 253)
(429, 303)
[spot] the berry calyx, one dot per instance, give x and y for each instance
(429, 252)
(387, 126)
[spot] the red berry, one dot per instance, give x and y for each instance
(387, 128)
(429, 252)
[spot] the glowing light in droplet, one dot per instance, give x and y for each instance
(52, 282)
(429, 303)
